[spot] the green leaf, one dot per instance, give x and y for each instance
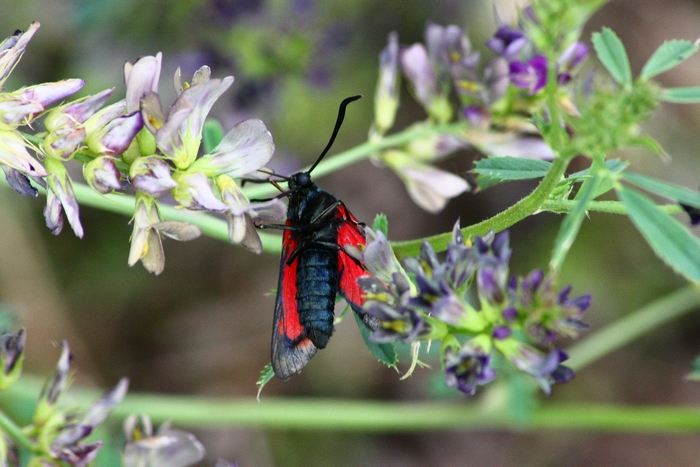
(381, 223)
(572, 223)
(667, 190)
(669, 239)
(385, 353)
(266, 375)
(613, 165)
(611, 53)
(493, 170)
(690, 95)
(669, 55)
(212, 134)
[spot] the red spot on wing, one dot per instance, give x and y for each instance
(350, 233)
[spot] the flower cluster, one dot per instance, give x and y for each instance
(446, 78)
(519, 317)
(133, 142)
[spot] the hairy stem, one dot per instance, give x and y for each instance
(517, 212)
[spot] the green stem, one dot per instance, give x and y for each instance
(633, 326)
(382, 416)
(611, 207)
(9, 427)
(364, 151)
(517, 212)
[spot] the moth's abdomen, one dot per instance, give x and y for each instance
(317, 282)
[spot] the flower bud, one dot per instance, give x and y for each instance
(11, 357)
(151, 175)
(386, 98)
(12, 48)
(53, 388)
(102, 174)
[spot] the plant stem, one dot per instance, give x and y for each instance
(364, 151)
(634, 325)
(500, 221)
(15, 432)
(382, 416)
(611, 207)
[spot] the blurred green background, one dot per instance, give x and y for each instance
(203, 326)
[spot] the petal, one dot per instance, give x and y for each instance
(180, 231)
(246, 148)
(120, 132)
(417, 68)
(431, 188)
(140, 78)
(13, 153)
(18, 181)
(53, 213)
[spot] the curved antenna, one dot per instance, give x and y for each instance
(338, 122)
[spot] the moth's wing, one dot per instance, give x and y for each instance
(351, 233)
(291, 348)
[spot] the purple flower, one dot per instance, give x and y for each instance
(468, 368)
(570, 59)
(21, 106)
(151, 175)
(545, 368)
(531, 75)
(102, 175)
(60, 198)
(386, 98)
(507, 41)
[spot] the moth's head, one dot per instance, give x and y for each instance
(299, 180)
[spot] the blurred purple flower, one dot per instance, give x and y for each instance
(468, 368)
(531, 75)
(507, 41)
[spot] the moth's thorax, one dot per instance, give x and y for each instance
(307, 201)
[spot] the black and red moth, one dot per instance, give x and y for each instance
(314, 268)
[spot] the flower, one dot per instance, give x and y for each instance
(507, 41)
(570, 59)
(386, 98)
(167, 447)
(60, 198)
(429, 187)
(146, 244)
(470, 366)
(53, 388)
(531, 75)
(242, 214)
(12, 48)
(111, 130)
(102, 174)
(11, 357)
(151, 175)
(141, 77)
(76, 428)
(179, 133)
(14, 154)
(21, 106)
(194, 192)
(18, 181)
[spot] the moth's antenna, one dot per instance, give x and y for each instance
(338, 122)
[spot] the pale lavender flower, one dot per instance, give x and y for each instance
(141, 77)
(167, 447)
(194, 191)
(12, 48)
(179, 133)
(242, 214)
(386, 98)
(429, 187)
(146, 244)
(246, 148)
(151, 175)
(14, 154)
(21, 106)
(60, 197)
(419, 71)
(102, 174)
